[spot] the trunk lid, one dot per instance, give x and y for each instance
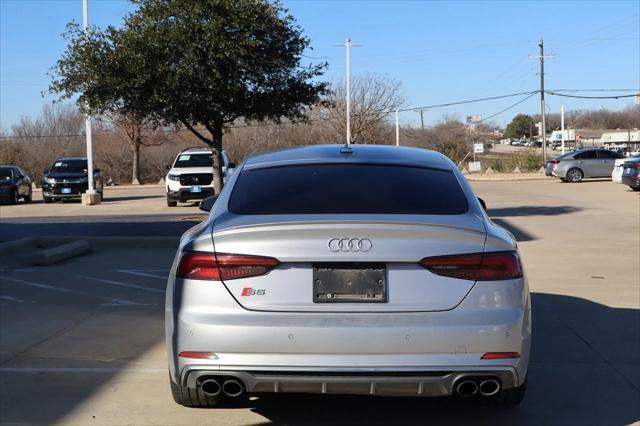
(389, 249)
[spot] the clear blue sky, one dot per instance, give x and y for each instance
(440, 51)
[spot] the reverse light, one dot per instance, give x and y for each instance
(490, 266)
(221, 266)
(500, 355)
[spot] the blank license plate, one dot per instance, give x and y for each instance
(196, 189)
(66, 190)
(349, 283)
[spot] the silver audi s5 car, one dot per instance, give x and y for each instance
(368, 270)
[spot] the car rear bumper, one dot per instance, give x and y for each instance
(633, 181)
(494, 317)
(414, 382)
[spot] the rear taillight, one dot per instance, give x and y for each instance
(555, 161)
(491, 266)
(221, 266)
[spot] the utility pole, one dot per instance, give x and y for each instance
(348, 45)
(543, 130)
(90, 197)
(562, 126)
(422, 117)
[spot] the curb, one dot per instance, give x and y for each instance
(51, 250)
(59, 253)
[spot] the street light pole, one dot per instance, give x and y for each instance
(87, 119)
(348, 44)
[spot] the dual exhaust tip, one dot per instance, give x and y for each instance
(229, 387)
(485, 387)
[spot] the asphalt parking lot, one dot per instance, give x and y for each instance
(82, 342)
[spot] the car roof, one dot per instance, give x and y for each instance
(72, 159)
(197, 150)
(376, 154)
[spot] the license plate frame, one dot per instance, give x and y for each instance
(350, 283)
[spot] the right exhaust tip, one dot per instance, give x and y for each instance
(232, 388)
(489, 387)
(467, 388)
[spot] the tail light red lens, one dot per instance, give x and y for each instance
(500, 355)
(555, 161)
(490, 266)
(221, 266)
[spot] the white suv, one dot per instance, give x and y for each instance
(191, 177)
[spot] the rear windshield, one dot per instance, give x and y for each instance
(193, 160)
(69, 166)
(347, 189)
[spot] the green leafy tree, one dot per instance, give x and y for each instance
(521, 125)
(198, 64)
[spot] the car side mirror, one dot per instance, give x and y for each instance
(231, 166)
(483, 204)
(207, 204)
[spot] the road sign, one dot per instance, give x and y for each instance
(478, 148)
(474, 166)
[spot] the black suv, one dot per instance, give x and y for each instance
(14, 184)
(68, 178)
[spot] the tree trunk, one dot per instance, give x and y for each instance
(135, 176)
(216, 150)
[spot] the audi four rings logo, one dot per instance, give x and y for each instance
(361, 245)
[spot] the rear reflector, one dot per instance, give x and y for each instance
(221, 266)
(490, 266)
(500, 355)
(198, 355)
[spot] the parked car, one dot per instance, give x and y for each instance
(631, 173)
(616, 174)
(584, 163)
(68, 178)
(316, 272)
(191, 177)
(15, 184)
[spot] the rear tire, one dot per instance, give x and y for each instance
(29, 196)
(574, 175)
(14, 197)
(171, 203)
(634, 188)
(192, 397)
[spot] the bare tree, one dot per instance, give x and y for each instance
(137, 133)
(373, 99)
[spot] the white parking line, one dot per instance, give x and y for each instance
(111, 301)
(141, 274)
(108, 370)
(121, 284)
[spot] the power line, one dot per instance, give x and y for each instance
(507, 108)
(469, 101)
(591, 97)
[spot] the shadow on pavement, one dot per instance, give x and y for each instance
(520, 234)
(532, 211)
(583, 362)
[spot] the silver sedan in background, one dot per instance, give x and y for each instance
(368, 270)
(583, 163)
